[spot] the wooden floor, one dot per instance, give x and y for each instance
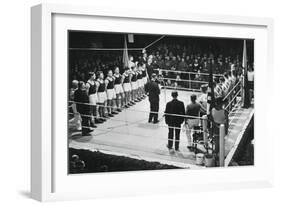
(129, 134)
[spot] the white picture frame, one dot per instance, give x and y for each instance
(49, 181)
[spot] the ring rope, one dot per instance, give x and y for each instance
(233, 98)
(116, 132)
(154, 42)
(184, 72)
(185, 80)
(239, 82)
(181, 88)
(234, 112)
(107, 49)
(134, 122)
(134, 110)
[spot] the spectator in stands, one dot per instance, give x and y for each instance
(195, 69)
(219, 66)
(197, 80)
(173, 108)
(205, 67)
(182, 66)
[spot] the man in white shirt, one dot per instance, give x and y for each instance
(131, 62)
(251, 75)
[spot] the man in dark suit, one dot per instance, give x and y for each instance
(174, 117)
(153, 91)
(81, 100)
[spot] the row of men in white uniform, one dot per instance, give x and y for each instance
(108, 96)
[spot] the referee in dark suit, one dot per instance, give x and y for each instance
(174, 122)
(153, 90)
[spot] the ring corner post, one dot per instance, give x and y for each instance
(222, 145)
(205, 129)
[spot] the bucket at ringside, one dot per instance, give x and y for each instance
(200, 159)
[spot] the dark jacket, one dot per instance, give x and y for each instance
(193, 109)
(153, 91)
(149, 69)
(174, 107)
(82, 97)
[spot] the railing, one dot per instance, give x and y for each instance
(190, 74)
(185, 72)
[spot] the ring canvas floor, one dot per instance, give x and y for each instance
(129, 134)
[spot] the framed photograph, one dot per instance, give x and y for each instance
(129, 102)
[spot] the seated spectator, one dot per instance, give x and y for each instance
(197, 80)
(182, 66)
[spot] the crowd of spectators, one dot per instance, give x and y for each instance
(193, 58)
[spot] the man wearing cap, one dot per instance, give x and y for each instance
(153, 91)
(174, 118)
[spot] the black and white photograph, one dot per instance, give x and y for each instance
(149, 102)
(139, 103)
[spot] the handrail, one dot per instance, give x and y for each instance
(176, 71)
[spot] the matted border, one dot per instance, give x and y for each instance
(43, 154)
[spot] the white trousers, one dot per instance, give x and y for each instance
(191, 123)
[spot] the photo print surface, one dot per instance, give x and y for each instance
(150, 102)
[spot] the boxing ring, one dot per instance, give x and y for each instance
(129, 133)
